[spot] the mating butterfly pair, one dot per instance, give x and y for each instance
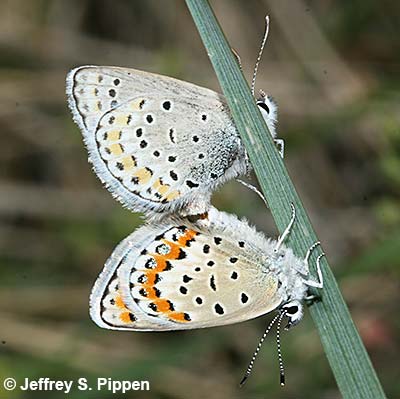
(161, 146)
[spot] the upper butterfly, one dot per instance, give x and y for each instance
(160, 145)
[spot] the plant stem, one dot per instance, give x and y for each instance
(347, 356)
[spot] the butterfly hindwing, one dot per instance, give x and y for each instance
(181, 276)
(158, 144)
(107, 308)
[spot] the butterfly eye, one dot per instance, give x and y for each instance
(264, 106)
(292, 310)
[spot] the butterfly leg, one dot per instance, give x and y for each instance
(310, 299)
(320, 282)
(255, 189)
(280, 143)
(308, 254)
(287, 230)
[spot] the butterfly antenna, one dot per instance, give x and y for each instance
(264, 40)
(278, 345)
(251, 364)
(238, 59)
(255, 189)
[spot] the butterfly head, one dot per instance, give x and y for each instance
(269, 111)
(291, 272)
(283, 259)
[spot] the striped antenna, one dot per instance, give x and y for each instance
(278, 318)
(238, 59)
(264, 40)
(278, 345)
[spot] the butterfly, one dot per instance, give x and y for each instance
(178, 275)
(157, 143)
(160, 145)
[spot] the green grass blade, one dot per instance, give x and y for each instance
(344, 349)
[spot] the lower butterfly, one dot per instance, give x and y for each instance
(179, 275)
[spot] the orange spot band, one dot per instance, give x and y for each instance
(119, 302)
(125, 317)
(178, 316)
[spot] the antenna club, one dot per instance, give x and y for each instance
(244, 379)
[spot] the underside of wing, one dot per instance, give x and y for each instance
(107, 308)
(93, 90)
(158, 144)
(181, 276)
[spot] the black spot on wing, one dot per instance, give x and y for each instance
(183, 290)
(132, 317)
(182, 254)
(219, 309)
(191, 184)
(173, 175)
(212, 283)
(217, 240)
(172, 135)
(150, 263)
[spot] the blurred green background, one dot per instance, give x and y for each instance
(333, 68)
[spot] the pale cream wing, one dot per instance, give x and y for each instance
(157, 143)
(181, 276)
(93, 90)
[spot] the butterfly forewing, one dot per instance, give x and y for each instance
(158, 144)
(92, 90)
(182, 276)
